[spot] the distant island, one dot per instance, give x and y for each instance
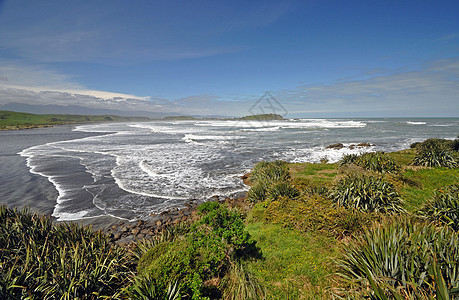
(10, 120)
(263, 117)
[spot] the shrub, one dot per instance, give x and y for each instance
(401, 254)
(206, 252)
(435, 153)
(373, 161)
(444, 207)
(40, 260)
(366, 193)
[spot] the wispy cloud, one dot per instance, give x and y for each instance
(430, 91)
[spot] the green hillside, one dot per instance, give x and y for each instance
(18, 120)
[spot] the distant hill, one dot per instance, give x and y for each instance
(20, 120)
(76, 110)
(263, 117)
(180, 118)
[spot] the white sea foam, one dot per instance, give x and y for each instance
(416, 123)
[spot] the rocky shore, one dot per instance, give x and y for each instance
(125, 233)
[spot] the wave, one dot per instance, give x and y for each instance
(416, 123)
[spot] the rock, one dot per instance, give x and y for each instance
(135, 231)
(144, 231)
(140, 236)
(364, 145)
(159, 223)
(124, 229)
(117, 236)
(335, 146)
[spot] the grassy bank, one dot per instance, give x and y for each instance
(10, 120)
(373, 226)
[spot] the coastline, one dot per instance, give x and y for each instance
(36, 191)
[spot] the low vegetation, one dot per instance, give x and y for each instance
(373, 226)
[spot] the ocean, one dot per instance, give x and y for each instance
(131, 170)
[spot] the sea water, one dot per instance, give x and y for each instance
(131, 170)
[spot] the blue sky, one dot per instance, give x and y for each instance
(317, 58)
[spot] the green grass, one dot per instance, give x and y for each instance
(295, 265)
(18, 120)
(429, 179)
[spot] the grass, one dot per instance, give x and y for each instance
(429, 179)
(18, 120)
(295, 265)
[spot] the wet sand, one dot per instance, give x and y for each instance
(19, 187)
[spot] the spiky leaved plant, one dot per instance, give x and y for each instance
(374, 161)
(40, 260)
(401, 253)
(366, 193)
(282, 189)
(270, 171)
(435, 153)
(443, 207)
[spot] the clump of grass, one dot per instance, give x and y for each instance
(366, 193)
(270, 171)
(40, 260)
(435, 153)
(270, 180)
(374, 161)
(282, 189)
(444, 207)
(240, 284)
(401, 254)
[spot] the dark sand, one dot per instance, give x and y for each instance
(19, 187)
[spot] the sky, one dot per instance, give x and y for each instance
(318, 58)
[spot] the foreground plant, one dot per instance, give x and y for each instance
(400, 254)
(366, 193)
(40, 260)
(197, 260)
